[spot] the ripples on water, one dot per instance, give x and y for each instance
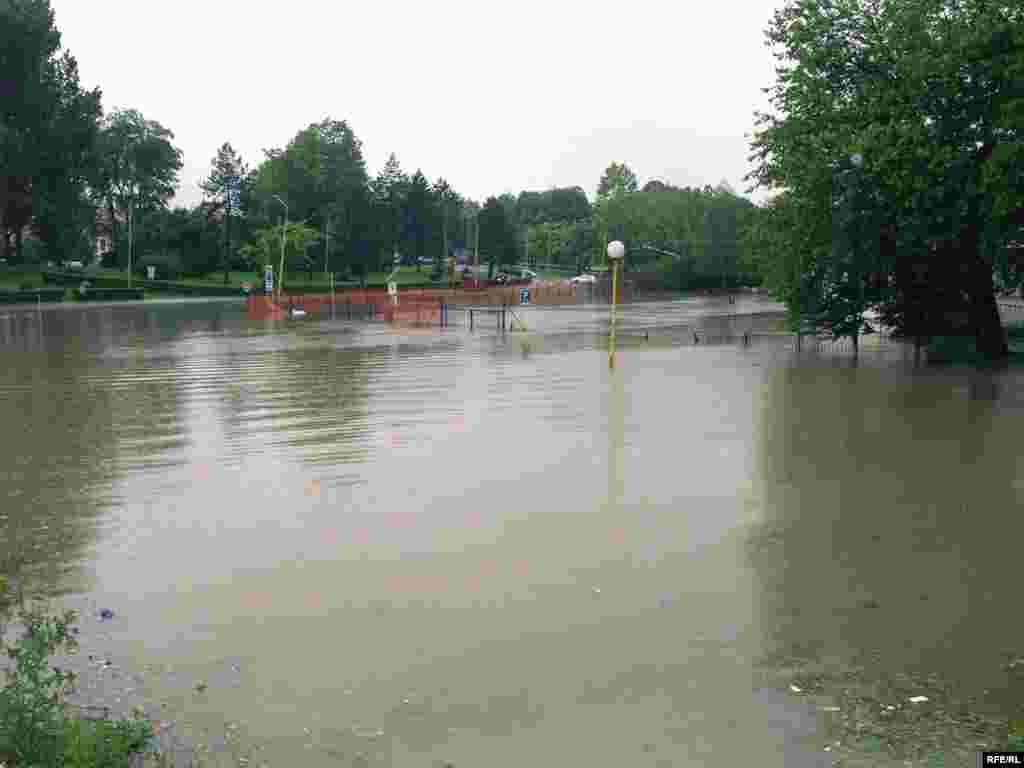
(539, 556)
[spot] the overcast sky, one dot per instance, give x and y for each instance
(495, 97)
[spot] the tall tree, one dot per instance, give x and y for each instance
(497, 234)
(390, 188)
(139, 166)
(928, 94)
(418, 218)
(343, 186)
(228, 172)
(47, 132)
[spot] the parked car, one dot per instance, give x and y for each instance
(584, 280)
(74, 265)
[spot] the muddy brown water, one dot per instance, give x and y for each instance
(413, 547)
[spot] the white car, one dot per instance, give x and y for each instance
(579, 279)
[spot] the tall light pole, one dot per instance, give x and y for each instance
(131, 234)
(616, 253)
(284, 228)
(327, 245)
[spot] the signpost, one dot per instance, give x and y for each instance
(151, 272)
(268, 279)
(524, 296)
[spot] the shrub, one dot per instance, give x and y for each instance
(36, 728)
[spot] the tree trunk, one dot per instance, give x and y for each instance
(989, 336)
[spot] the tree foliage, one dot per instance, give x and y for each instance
(617, 180)
(47, 132)
(928, 94)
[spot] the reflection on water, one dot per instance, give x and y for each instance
(387, 547)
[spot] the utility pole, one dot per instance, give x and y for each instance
(131, 233)
(327, 244)
(227, 225)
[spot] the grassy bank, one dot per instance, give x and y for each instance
(13, 281)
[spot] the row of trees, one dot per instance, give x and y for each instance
(895, 151)
(65, 164)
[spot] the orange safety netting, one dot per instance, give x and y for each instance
(414, 305)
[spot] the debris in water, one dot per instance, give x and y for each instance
(890, 707)
(917, 699)
(105, 614)
(828, 749)
(795, 688)
(201, 687)
(830, 709)
(596, 591)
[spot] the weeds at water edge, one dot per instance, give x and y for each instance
(36, 726)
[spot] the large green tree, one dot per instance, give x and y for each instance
(321, 175)
(928, 96)
(139, 166)
(497, 234)
(390, 188)
(47, 133)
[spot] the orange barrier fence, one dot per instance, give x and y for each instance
(414, 305)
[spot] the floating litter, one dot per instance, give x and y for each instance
(795, 688)
(830, 709)
(917, 699)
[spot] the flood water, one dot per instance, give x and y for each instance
(412, 547)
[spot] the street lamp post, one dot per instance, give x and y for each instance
(616, 253)
(131, 237)
(284, 228)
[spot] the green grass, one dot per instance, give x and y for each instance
(13, 281)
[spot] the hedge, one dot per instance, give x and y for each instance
(32, 296)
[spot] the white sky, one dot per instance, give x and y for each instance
(494, 97)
